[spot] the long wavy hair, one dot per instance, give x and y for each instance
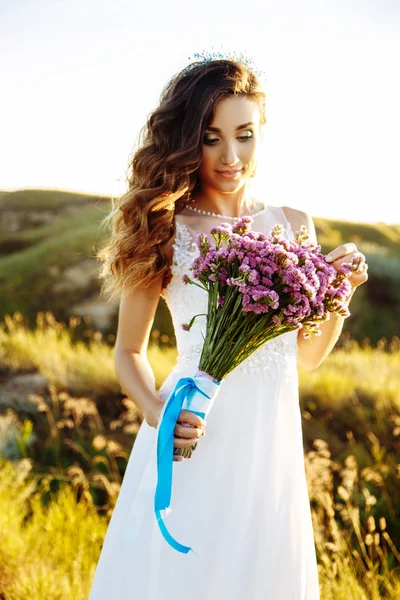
(163, 173)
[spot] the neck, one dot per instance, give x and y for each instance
(232, 207)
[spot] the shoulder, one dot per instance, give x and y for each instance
(297, 218)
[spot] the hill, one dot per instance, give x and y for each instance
(48, 245)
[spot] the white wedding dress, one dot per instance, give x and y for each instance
(241, 501)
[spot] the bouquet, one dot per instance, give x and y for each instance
(258, 287)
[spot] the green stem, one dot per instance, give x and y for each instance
(202, 287)
(215, 345)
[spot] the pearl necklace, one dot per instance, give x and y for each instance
(212, 214)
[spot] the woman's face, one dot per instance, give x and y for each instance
(230, 144)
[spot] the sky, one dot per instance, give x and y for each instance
(80, 78)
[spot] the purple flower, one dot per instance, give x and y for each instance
(221, 301)
(242, 225)
(221, 228)
(288, 281)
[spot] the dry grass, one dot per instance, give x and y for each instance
(59, 492)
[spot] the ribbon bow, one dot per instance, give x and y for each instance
(195, 394)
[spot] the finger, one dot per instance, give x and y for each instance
(178, 458)
(340, 251)
(346, 259)
(351, 259)
(185, 424)
(183, 442)
(186, 432)
(363, 267)
(359, 277)
(190, 430)
(186, 416)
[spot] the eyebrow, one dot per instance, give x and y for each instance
(237, 128)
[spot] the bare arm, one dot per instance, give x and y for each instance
(136, 316)
(135, 375)
(313, 351)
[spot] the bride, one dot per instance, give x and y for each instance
(240, 499)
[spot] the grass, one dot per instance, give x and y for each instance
(34, 259)
(332, 233)
(365, 371)
(25, 276)
(48, 552)
(80, 367)
(60, 225)
(63, 464)
(357, 558)
(44, 199)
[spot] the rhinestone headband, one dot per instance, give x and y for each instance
(206, 57)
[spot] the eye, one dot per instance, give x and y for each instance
(210, 141)
(213, 141)
(246, 137)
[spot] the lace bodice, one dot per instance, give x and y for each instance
(186, 300)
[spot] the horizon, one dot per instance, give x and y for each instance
(81, 193)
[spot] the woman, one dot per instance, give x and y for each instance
(241, 500)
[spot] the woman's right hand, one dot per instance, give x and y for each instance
(188, 429)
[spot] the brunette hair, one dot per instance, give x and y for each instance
(163, 172)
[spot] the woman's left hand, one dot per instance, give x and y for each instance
(344, 254)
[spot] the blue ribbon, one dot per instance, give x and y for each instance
(185, 389)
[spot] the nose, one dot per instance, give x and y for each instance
(229, 156)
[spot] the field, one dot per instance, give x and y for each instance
(67, 429)
(48, 245)
(64, 455)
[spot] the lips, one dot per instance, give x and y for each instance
(228, 174)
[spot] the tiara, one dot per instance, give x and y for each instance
(206, 57)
